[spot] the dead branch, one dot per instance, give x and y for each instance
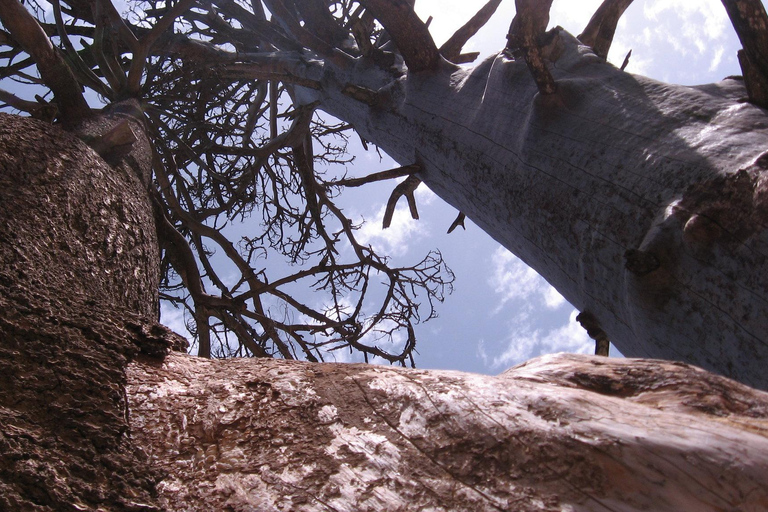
(600, 30)
(527, 27)
(53, 69)
(451, 49)
(406, 188)
(626, 61)
(750, 21)
(458, 222)
(399, 172)
(409, 33)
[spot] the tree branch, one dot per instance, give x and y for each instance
(409, 33)
(527, 27)
(53, 69)
(378, 176)
(406, 188)
(750, 21)
(141, 53)
(451, 49)
(600, 30)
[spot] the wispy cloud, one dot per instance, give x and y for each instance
(525, 343)
(394, 241)
(515, 281)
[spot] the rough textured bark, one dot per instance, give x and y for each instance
(641, 202)
(78, 295)
(561, 432)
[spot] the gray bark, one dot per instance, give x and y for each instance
(642, 203)
(561, 432)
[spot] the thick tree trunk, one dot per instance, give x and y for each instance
(561, 432)
(644, 204)
(78, 298)
(78, 284)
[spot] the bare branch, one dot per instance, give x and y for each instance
(408, 32)
(378, 176)
(451, 49)
(626, 61)
(527, 27)
(458, 222)
(53, 69)
(406, 188)
(140, 54)
(600, 30)
(750, 21)
(304, 36)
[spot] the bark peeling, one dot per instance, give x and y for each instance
(561, 432)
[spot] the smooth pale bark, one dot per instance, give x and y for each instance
(562, 432)
(643, 203)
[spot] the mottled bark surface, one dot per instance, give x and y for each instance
(78, 299)
(561, 432)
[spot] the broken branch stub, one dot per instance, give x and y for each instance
(451, 49)
(406, 188)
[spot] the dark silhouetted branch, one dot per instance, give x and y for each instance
(458, 222)
(406, 188)
(626, 60)
(53, 69)
(378, 176)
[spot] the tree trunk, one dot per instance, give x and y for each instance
(78, 285)
(562, 432)
(644, 204)
(79, 277)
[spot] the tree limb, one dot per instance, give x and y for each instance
(459, 221)
(53, 69)
(406, 188)
(750, 21)
(399, 172)
(600, 30)
(451, 49)
(527, 27)
(409, 33)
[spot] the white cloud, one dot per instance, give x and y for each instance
(717, 58)
(394, 240)
(526, 343)
(690, 15)
(515, 281)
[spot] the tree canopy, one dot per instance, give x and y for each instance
(216, 90)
